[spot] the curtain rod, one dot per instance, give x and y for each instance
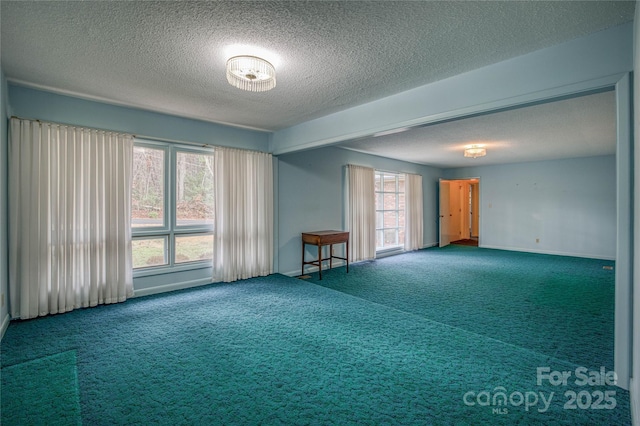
(200, 144)
(153, 138)
(75, 126)
(157, 139)
(384, 171)
(135, 136)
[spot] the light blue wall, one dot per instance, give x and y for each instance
(310, 182)
(4, 166)
(634, 354)
(311, 187)
(42, 105)
(37, 104)
(569, 205)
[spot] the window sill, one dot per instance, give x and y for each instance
(389, 251)
(161, 270)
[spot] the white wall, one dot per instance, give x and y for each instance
(569, 205)
(311, 196)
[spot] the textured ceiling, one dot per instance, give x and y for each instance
(169, 56)
(579, 127)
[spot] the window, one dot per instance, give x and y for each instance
(390, 210)
(172, 207)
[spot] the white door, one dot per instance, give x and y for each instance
(445, 214)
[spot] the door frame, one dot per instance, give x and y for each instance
(444, 242)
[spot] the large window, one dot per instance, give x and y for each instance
(390, 210)
(172, 206)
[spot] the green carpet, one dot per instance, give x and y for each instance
(555, 305)
(43, 391)
(282, 351)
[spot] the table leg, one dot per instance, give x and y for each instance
(330, 256)
(320, 261)
(302, 273)
(347, 256)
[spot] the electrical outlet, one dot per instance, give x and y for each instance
(537, 240)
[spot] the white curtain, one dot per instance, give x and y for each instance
(362, 213)
(243, 244)
(413, 237)
(69, 216)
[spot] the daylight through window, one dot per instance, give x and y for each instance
(390, 210)
(172, 206)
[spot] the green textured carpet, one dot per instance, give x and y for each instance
(556, 305)
(282, 351)
(43, 391)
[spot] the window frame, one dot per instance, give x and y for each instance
(169, 228)
(379, 177)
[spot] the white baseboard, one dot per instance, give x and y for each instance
(171, 287)
(634, 399)
(5, 324)
(552, 252)
(310, 269)
(296, 272)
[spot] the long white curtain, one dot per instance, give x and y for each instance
(362, 213)
(69, 216)
(243, 244)
(413, 236)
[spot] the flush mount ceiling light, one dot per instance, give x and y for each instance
(251, 73)
(475, 151)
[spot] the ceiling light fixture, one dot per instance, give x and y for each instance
(475, 151)
(251, 73)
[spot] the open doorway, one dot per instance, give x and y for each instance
(460, 212)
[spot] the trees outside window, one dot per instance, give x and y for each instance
(172, 206)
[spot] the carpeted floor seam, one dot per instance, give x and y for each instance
(460, 329)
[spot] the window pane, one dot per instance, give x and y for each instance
(390, 214)
(379, 239)
(149, 252)
(147, 192)
(389, 183)
(192, 248)
(390, 202)
(390, 237)
(390, 219)
(194, 189)
(379, 220)
(379, 203)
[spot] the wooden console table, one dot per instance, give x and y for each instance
(325, 238)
